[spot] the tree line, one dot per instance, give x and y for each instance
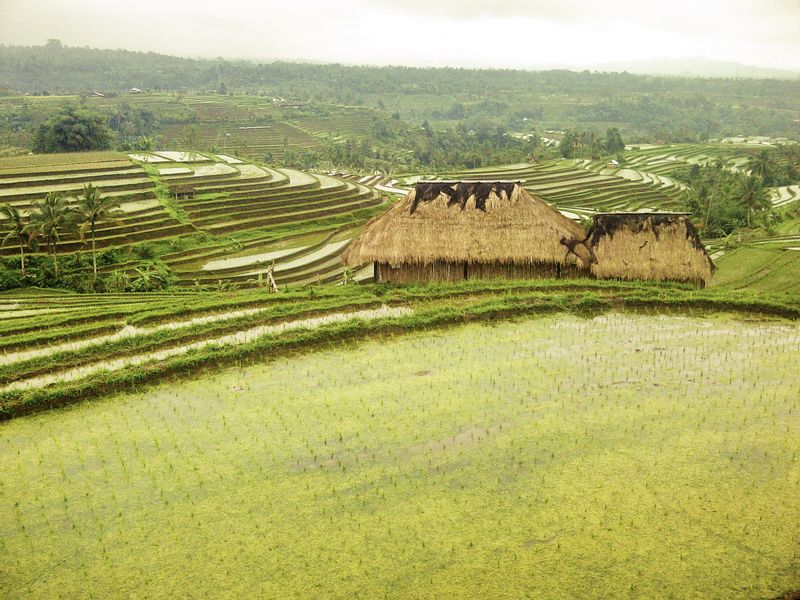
(723, 199)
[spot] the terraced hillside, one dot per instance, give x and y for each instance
(227, 208)
(254, 126)
(354, 121)
(785, 195)
(253, 141)
(659, 162)
(26, 180)
(664, 159)
(581, 192)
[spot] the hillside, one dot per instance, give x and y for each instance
(190, 208)
(645, 107)
(215, 220)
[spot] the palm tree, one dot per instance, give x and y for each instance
(753, 195)
(92, 209)
(52, 217)
(20, 230)
(759, 166)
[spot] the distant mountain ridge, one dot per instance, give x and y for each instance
(696, 67)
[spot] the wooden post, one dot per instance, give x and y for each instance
(273, 287)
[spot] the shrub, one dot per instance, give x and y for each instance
(9, 278)
(117, 282)
(145, 251)
(151, 277)
(82, 282)
(75, 261)
(109, 257)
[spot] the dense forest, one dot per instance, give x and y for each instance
(644, 108)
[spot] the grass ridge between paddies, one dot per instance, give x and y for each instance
(214, 330)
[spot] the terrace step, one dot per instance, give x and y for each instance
(15, 181)
(292, 217)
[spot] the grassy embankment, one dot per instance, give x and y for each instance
(45, 335)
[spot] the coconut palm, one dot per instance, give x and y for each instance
(20, 230)
(93, 209)
(760, 166)
(754, 196)
(51, 217)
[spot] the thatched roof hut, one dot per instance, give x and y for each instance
(454, 230)
(184, 192)
(650, 246)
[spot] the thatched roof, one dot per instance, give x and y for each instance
(650, 246)
(183, 188)
(472, 222)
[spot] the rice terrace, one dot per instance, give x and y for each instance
(306, 329)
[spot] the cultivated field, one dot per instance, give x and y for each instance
(572, 187)
(215, 201)
(616, 455)
(251, 126)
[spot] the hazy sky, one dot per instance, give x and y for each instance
(502, 33)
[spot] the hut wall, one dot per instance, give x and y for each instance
(415, 273)
(512, 271)
(458, 271)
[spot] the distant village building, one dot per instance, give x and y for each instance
(456, 230)
(284, 103)
(648, 246)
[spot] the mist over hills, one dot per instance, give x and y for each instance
(697, 66)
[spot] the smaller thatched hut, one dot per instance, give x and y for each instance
(184, 192)
(648, 246)
(456, 230)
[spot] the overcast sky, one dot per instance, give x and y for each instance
(501, 33)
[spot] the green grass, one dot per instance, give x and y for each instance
(614, 456)
(760, 268)
(763, 262)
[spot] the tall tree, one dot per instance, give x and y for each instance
(754, 196)
(20, 230)
(569, 145)
(190, 137)
(52, 217)
(760, 166)
(614, 143)
(93, 208)
(73, 130)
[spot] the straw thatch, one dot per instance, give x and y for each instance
(461, 229)
(649, 246)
